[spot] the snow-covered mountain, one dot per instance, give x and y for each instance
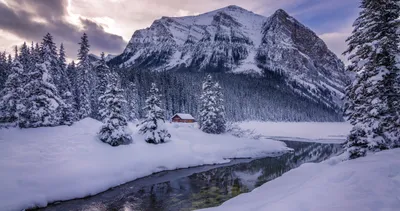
(235, 40)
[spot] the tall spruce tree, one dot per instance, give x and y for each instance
(132, 107)
(48, 53)
(115, 129)
(103, 76)
(11, 95)
(83, 79)
(3, 69)
(372, 99)
(9, 63)
(72, 76)
(65, 88)
(24, 56)
(41, 102)
(212, 110)
(152, 127)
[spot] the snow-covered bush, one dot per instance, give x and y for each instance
(235, 130)
(153, 125)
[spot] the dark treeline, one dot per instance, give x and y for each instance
(247, 97)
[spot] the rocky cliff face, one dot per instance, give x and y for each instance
(235, 40)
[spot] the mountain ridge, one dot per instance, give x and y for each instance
(235, 40)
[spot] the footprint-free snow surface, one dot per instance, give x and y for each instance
(320, 132)
(43, 165)
(371, 183)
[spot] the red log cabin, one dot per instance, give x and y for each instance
(183, 118)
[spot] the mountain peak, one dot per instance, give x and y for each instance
(233, 7)
(281, 13)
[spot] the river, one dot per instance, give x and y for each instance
(199, 187)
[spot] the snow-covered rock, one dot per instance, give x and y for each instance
(235, 40)
(42, 165)
(368, 183)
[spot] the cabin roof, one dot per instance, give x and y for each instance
(183, 116)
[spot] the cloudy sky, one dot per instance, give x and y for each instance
(111, 23)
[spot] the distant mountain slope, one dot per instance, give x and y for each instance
(235, 40)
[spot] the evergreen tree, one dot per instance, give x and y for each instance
(131, 94)
(62, 58)
(24, 56)
(48, 54)
(36, 55)
(3, 69)
(221, 122)
(11, 95)
(42, 104)
(102, 73)
(115, 129)
(15, 52)
(212, 111)
(9, 63)
(68, 111)
(372, 100)
(153, 125)
(83, 79)
(72, 76)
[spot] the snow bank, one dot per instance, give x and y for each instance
(369, 183)
(321, 132)
(42, 165)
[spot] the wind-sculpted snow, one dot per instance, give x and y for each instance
(235, 40)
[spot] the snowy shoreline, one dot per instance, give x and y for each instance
(330, 186)
(44, 165)
(319, 132)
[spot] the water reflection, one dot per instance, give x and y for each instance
(201, 187)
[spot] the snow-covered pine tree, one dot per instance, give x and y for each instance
(72, 76)
(132, 108)
(24, 56)
(11, 95)
(372, 99)
(153, 126)
(212, 110)
(42, 104)
(48, 53)
(9, 63)
(103, 76)
(115, 129)
(3, 69)
(83, 79)
(220, 111)
(65, 88)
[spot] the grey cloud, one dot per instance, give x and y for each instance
(18, 18)
(101, 39)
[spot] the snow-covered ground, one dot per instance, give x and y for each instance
(322, 132)
(43, 165)
(371, 183)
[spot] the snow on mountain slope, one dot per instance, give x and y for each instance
(235, 40)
